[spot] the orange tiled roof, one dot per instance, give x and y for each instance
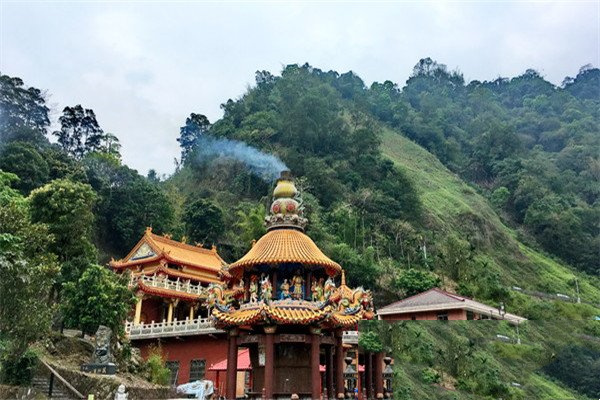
(285, 246)
(174, 251)
(342, 320)
(238, 317)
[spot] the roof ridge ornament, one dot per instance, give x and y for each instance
(286, 209)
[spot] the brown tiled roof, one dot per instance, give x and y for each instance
(437, 299)
(285, 246)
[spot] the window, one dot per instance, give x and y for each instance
(414, 317)
(197, 369)
(174, 368)
(442, 316)
(470, 315)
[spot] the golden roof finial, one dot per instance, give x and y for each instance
(343, 277)
(253, 242)
(184, 239)
(214, 248)
(148, 230)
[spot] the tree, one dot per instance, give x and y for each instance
(203, 221)
(99, 297)
(195, 126)
(26, 162)
(251, 223)
(20, 107)
(128, 204)
(80, 132)
(414, 281)
(28, 270)
(67, 208)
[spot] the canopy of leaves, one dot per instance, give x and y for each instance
(99, 297)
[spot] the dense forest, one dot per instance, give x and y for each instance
(478, 187)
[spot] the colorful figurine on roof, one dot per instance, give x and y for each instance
(295, 311)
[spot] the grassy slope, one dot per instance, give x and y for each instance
(449, 202)
(522, 364)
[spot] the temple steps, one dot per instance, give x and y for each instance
(41, 384)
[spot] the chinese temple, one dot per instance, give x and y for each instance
(293, 310)
(278, 322)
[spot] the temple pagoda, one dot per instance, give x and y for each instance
(292, 308)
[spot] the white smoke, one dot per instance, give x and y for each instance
(267, 166)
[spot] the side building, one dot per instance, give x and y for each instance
(436, 304)
(171, 279)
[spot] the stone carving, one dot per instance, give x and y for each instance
(285, 290)
(253, 290)
(297, 282)
(329, 288)
(121, 394)
(266, 289)
(101, 362)
(102, 350)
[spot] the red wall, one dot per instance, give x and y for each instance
(453, 315)
(185, 349)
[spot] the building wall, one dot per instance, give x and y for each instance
(453, 315)
(211, 348)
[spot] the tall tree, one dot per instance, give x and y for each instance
(28, 270)
(203, 221)
(80, 132)
(99, 297)
(195, 126)
(67, 208)
(21, 107)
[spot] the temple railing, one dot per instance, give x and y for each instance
(165, 283)
(198, 326)
(350, 337)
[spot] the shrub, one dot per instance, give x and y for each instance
(430, 375)
(156, 367)
(20, 370)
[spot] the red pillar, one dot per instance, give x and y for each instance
(232, 365)
(369, 374)
(329, 371)
(378, 371)
(269, 361)
(315, 374)
(339, 364)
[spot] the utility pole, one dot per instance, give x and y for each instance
(577, 290)
(518, 336)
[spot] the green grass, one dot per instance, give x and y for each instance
(451, 205)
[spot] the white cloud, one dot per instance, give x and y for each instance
(143, 67)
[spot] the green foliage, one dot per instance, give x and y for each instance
(369, 341)
(251, 223)
(203, 221)
(21, 107)
(67, 208)
(80, 132)
(99, 297)
(195, 126)
(157, 372)
(27, 163)
(18, 371)
(430, 375)
(579, 368)
(128, 203)
(413, 281)
(28, 271)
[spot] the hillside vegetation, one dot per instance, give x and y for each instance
(463, 360)
(478, 187)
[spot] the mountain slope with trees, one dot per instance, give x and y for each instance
(477, 187)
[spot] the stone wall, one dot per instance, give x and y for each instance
(104, 386)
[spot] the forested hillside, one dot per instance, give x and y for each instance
(477, 187)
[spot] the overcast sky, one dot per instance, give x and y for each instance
(144, 66)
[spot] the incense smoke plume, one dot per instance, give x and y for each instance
(267, 166)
